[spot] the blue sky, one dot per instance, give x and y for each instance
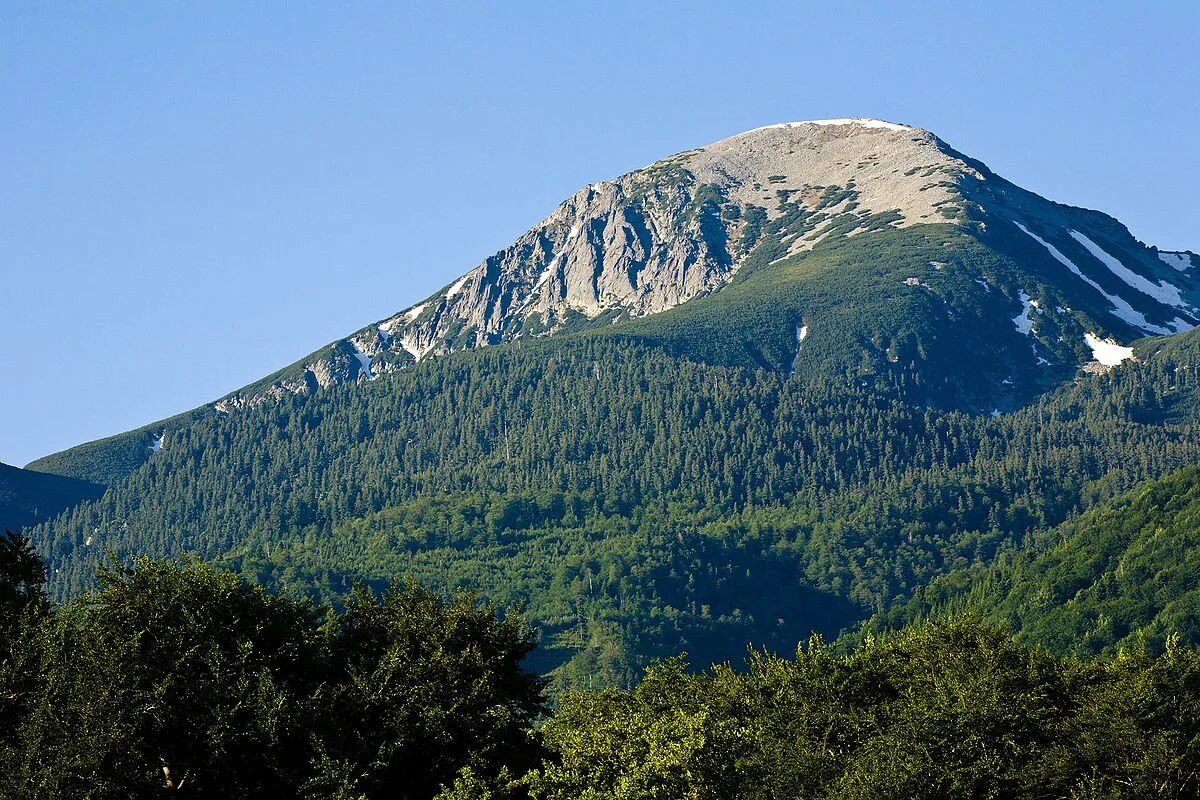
(195, 194)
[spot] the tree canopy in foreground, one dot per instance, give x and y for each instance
(175, 679)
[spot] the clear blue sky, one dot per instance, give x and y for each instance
(195, 194)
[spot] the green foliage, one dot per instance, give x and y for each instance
(621, 588)
(420, 688)
(178, 680)
(670, 737)
(174, 679)
(22, 580)
(469, 785)
(1122, 575)
(942, 711)
(23, 609)
(636, 503)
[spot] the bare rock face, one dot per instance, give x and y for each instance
(682, 227)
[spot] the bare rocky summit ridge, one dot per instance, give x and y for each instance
(890, 166)
(659, 236)
(683, 226)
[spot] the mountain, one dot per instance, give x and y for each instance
(870, 218)
(28, 497)
(885, 251)
(775, 384)
(688, 225)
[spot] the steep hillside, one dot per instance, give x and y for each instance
(27, 497)
(1119, 575)
(636, 503)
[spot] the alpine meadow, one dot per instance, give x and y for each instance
(817, 462)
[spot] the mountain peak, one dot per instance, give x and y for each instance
(862, 122)
(684, 226)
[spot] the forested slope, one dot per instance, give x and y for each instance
(1124, 574)
(867, 402)
(638, 503)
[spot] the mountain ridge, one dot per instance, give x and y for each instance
(685, 226)
(885, 255)
(28, 497)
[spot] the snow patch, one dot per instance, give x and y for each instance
(546, 273)
(1177, 261)
(1106, 351)
(413, 349)
(364, 360)
(1023, 322)
(1162, 291)
(414, 312)
(1120, 308)
(862, 122)
(987, 287)
(157, 443)
(540, 282)
(571, 234)
(801, 335)
(458, 286)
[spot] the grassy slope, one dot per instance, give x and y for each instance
(946, 342)
(112, 458)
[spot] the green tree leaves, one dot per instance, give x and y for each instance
(173, 679)
(948, 710)
(421, 688)
(176, 680)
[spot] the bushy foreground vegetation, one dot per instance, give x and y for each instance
(174, 679)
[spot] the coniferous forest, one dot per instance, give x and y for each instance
(636, 504)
